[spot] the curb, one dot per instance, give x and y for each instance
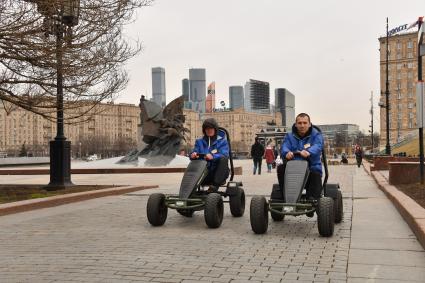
(238, 171)
(412, 213)
(32, 204)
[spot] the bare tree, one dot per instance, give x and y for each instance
(123, 145)
(93, 55)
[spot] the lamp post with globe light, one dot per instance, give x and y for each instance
(59, 18)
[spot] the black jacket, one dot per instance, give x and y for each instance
(257, 150)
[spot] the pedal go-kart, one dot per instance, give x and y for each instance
(195, 197)
(293, 201)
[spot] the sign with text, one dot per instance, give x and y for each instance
(420, 104)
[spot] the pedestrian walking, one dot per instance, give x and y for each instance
(269, 155)
(276, 155)
(257, 152)
(359, 155)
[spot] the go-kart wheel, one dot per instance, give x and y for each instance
(258, 214)
(237, 203)
(186, 212)
(156, 209)
(213, 212)
(325, 216)
(277, 217)
(338, 206)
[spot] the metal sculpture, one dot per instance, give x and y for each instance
(162, 131)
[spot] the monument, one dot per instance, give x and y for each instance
(162, 132)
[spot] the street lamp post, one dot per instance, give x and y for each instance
(387, 96)
(59, 22)
(421, 129)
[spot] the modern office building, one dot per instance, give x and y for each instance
(236, 99)
(347, 131)
(185, 93)
(158, 86)
(185, 89)
(285, 104)
(210, 102)
(402, 77)
(197, 89)
(257, 97)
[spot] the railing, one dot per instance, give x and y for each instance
(406, 139)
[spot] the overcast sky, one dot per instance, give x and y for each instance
(325, 52)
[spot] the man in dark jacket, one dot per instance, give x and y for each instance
(307, 142)
(257, 153)
(216, 151)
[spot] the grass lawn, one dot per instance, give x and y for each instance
(11, 193)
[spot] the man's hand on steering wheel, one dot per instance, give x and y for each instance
(305, 154)
(289, 155)
(209, 156)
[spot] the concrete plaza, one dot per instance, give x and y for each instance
(109, 239)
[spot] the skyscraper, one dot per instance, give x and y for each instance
(185, 93)
(257, 96)
(197, 89)
(285, 104)
(210, 102)
(236, 99)
(185, 89)
(158, 86)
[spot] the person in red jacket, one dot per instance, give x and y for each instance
(269, 155)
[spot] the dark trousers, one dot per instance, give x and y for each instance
(313, 186)
(359, 161)
(218, 174)
(257, 164)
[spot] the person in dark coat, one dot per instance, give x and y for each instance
(216, 151)
(359, 155)
(308, 143)
(257, 152)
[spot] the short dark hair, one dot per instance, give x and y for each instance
(302, 115)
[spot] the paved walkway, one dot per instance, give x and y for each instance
(110, 240)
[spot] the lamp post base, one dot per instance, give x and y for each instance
(60, 165)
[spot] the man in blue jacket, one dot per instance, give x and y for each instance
(216, 151)
(308, 142)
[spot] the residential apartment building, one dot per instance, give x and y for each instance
(114, 122)
(402, 76)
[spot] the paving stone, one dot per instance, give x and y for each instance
(110, 240)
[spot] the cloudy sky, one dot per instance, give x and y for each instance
(325, 52)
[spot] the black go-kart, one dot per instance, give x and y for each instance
(194, 196)
(292, 200)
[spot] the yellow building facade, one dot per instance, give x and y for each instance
(402, 77)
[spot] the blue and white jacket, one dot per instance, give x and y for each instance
(217, 146)
(312, 142)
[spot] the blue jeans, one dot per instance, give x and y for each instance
(269, 167)
(257, 164)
